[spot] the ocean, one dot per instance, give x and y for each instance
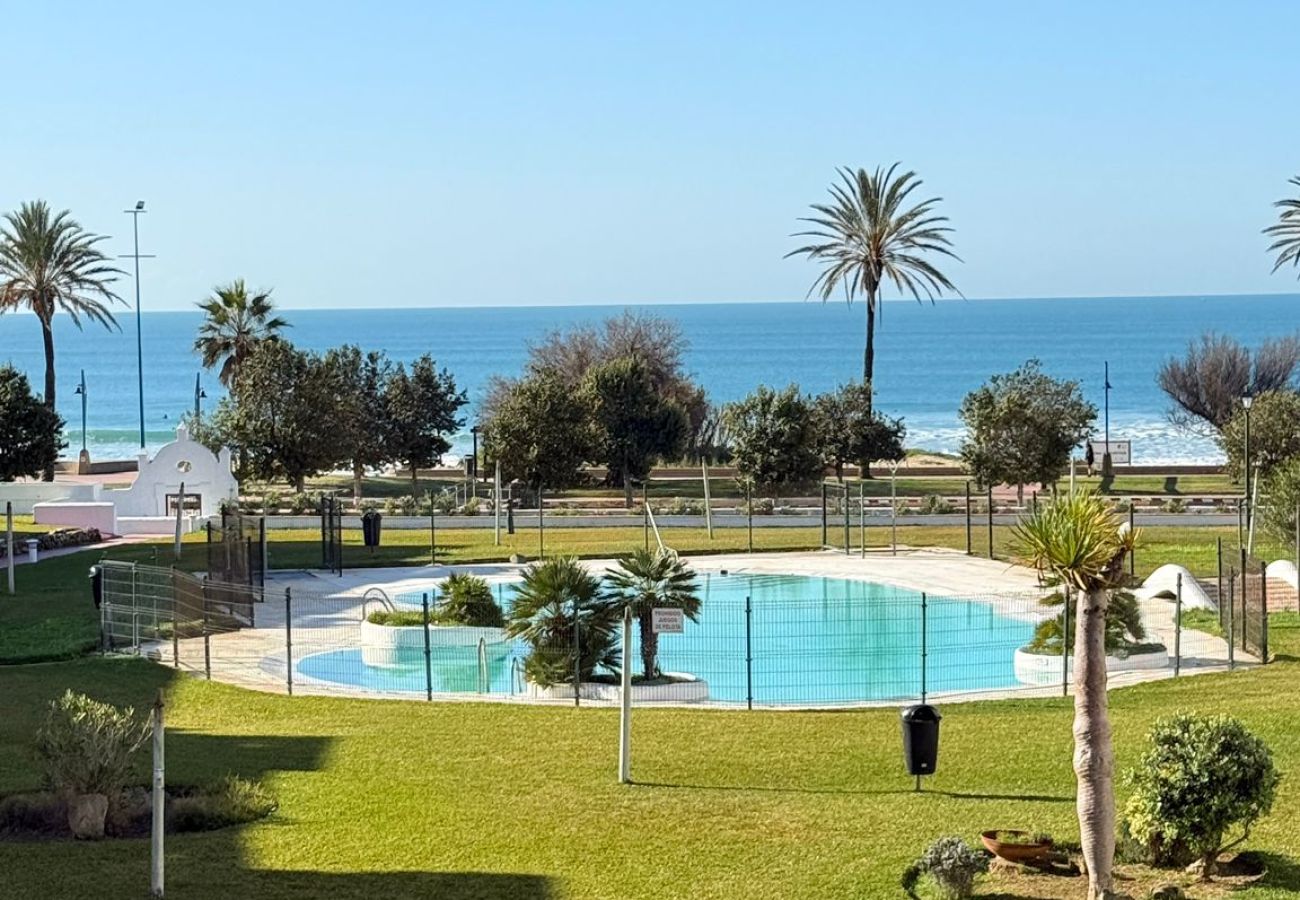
(927, 356)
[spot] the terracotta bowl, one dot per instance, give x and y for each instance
(1014, 852)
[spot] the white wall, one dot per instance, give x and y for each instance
(26, 494)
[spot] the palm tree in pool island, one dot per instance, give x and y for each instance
(49, 264)
(650, 579)
(1077, 541)
(235, 322)
(1286, 232)
(872, 232)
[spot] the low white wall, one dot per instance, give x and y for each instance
(102, 516)
(388, 645)
(687, 689)
(24, 495)
(157, 524)
(1040, 669)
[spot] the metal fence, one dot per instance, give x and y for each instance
(236, 548)
(772, 641)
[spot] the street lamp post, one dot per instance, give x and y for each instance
(1105, 457)
(81, 392)
(472, 468)
(139, 339)
(1247, 401)
(199, 394)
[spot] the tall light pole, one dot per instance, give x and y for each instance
(139, 339)
(199, 394)
(1246, 401)
(1105, 457)
(81, 392)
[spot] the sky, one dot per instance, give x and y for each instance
(472, 154)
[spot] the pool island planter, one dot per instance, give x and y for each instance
(398, 645)
(682, 688)
(1044, 669)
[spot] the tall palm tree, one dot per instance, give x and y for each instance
(648, 579)
(234, 323)
(868, 235)
(1078, 543)
(1287, 230)
(49, 264)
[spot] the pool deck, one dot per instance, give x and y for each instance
(327, 611)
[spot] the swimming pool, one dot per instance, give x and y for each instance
(775, 639)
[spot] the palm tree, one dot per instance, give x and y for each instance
(649, 579)
(1287, 230)
(865, 236)
(235, 323)
(1079, 543)
(556, 596)
(49, 264)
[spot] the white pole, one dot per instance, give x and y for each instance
(1254, 504)
(159, 801)
(893, 508)
(1071, 471)
(625, 711)
(496, 505)
(708, 512)
(9, 542)
(180, 510)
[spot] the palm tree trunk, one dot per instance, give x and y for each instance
(356, 484)
(47, 335)
(1093, 759)
(649, 644)
(869, 354)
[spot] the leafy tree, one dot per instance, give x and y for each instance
(49, 264)
(1077, 542)
(279, 414)
(633, 424)
(650, 579)
(556, 597)
(1208, 382)
(1202, 776)
(848, 430)
(363, 427)
(867, 235)
(774, 440)
(540, 432)
(1274, 433)
(421, 408)
(1282, 488)
(1022, 426)
(234, 323)
(30, 432)
(1286, 232)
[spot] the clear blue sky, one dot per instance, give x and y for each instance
(392, 154)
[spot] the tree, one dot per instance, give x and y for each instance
(1022, 426)
(30, 432)
(1207, 384)
(848, 430)
(421, 409)
(774, 442)
(235, 322)
(1286, 232)
(363, 425)
(1282, 487)
(1077, 542)
(633, 424)
(540, 432)
(648, 580)
(279, 414)
(556, 597)
(865, 237)
(1274, 433)
(49, 264)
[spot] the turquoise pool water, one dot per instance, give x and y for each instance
(803, 640)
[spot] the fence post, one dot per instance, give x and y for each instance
(1218, 562)
(749, 654)
(1132, 554)
(990, 502)
(969, 547)
(1065, 647)
(265, 548)
(428, 663)
(159, 801)
(1178, 625)
(823, 515)
(207, 646)
(176, 643)
(9, 542)
(749, 513)
(625, 704)
(433, 532)
(577, 656)
(1232, 625)
(288, 640)
(541, 533)
(1245, 590)
(1263, 613)
(645, 514)
(923, 647)
(847, 551)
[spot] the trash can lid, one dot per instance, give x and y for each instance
(921, 712)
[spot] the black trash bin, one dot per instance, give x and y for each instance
(921, 739)
(371, 522)
(97, 586)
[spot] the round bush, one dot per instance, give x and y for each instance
(1202, 776)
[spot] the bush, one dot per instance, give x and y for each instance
(301, 503)
(271, 502)
(681, 506)
(467, 600)
(469, 507)
(42, 813)
(68, 537)
(951, 864)
(1174, 505)
(761, 506)
(1125, 633)
(933, 504)
(86, 747)
(230, 801)
(1202, 776)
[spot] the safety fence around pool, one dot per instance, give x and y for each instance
(758, 640)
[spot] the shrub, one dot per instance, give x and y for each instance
(230, 801)
(469, 507)
(951, 864)
(933, 504)
(681, 506)
(301, 503)
(271, 502)
(42, 813)
(398, 618)
(1174, 505)
(1202, 776)
(86, 747)
(1125, 633)
(467, 600)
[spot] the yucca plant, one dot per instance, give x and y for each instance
(1077, 541)
(648, 579)
(556, 597)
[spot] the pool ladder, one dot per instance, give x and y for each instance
(484, 682)
(378, 596)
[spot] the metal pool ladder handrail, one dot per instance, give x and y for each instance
(377, 595)
(483, 683)
(654, 526)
